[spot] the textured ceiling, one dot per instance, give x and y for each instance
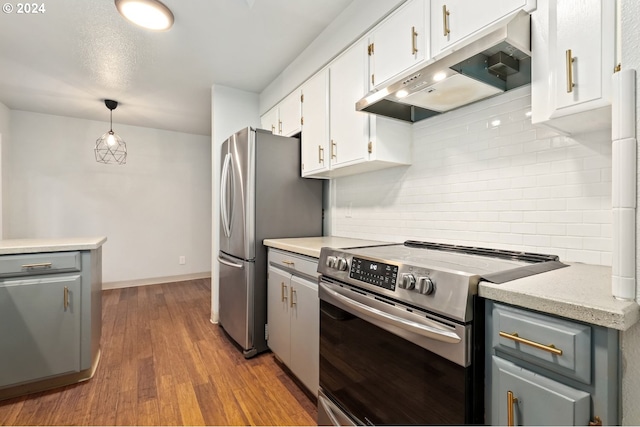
(66, 60)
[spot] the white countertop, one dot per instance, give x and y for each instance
(580, 292)
(310, 246)
(28, 246)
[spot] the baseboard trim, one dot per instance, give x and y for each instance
(155, 280)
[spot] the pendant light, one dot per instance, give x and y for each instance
(110, 148)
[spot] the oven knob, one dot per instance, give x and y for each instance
(425, 286)
(408, 281)
(341, 264)
(331, 262)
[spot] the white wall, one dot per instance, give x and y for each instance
(512, 186)
(231, 110)
(154, 209)
(4, 156)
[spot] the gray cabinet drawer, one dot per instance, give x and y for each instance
(41, 263)
(294, 262)
(536, 400)
(571, 338)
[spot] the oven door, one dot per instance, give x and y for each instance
(385, 363)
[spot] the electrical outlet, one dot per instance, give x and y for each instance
(182, 260)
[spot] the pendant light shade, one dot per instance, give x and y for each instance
(110, 148)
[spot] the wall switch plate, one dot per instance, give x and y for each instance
(182, 260)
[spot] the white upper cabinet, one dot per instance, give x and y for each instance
(286, 117)
(291, 114)
(271, 120)
(455, 20)
(573, 46)
(399, 42)
(349, 129)
(315, 124)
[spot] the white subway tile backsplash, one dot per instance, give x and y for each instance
(513, 186)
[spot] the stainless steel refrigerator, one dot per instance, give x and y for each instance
(261, 196)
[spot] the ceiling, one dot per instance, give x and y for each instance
(77, 53)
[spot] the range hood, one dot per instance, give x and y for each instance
(492, 62)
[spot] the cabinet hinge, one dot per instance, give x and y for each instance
(266, 331)
(302, 98)
(370, 49)
(370, 147)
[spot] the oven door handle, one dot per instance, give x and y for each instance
(429, 331)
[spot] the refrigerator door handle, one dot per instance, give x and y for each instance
(229, 263)
(224, 208)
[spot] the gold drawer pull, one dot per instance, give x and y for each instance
(283, 291)
(320, 154)
(514, 336)
(37, 266)
(445, 23)
(289, 263)
(414, 41)
(334, 148)
(511, 400)
(292, 292)
(570, 60)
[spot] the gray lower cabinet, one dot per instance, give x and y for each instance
(50, 319)
(547, 370)
(293, 314)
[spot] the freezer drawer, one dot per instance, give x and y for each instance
(236, 299)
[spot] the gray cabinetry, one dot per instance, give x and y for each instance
(50, 319)
(293, 314)
(546, 370)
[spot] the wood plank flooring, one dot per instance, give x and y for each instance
(164, 363)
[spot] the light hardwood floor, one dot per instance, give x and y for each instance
(164, 363)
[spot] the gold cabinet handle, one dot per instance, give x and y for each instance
(283, 292)
(570, 60)
(414, 41)
(292, 292)
(515, 337)
(511, 400)
(445, 20)
(320, 154)
(334, 149)
(37, 266)
(66, 298)
(289, 263)
(273, 128)
(280, 127)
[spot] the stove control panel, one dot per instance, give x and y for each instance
(375, 273)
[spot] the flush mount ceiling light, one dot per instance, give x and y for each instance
(110, 148)
(150, 14)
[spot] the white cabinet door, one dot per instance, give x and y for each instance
(573, 43)
(305, 332)
(399, 42)
(315, 124)
(349, 128)
(454, 20)
(278, 316)
(290, 114)
(270, 120)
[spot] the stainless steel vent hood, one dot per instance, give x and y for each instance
(493, 62)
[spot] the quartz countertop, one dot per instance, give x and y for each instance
(580, 291)
(27, 246)
(310, 246)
